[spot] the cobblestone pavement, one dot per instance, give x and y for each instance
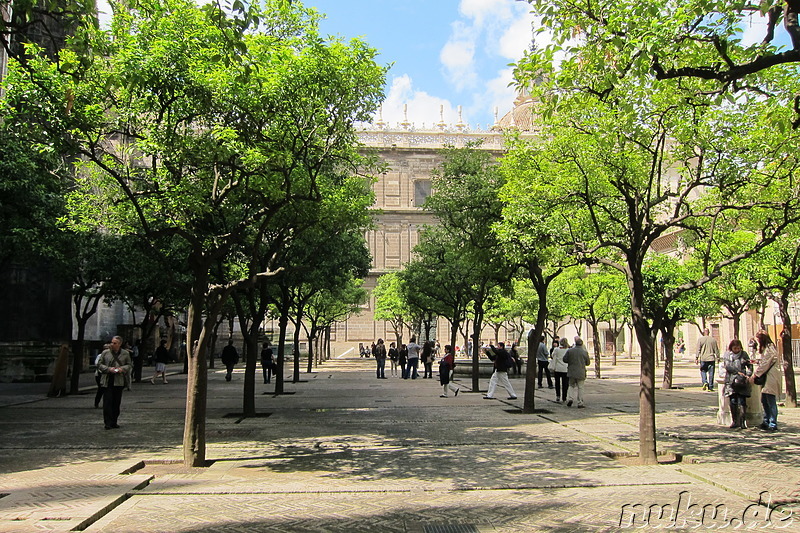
(342, 451)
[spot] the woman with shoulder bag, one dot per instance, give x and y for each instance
(738, 369)
(768, 372)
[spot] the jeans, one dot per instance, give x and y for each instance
(267, 370)
(562, 386)
(770, 405)
(412, 365)
(381, 367)
(544, 368)
(707, 373)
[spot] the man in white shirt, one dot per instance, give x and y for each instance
(413, 358)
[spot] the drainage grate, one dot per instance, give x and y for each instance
(451, 528)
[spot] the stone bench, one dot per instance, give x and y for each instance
(485, 368)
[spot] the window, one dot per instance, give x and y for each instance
(422, 189)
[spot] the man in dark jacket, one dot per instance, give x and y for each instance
(502, 362)
(229, 358)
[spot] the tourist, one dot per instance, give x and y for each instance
(402, 360)
(446, 366)
(560, 369)
(161, 356)
(229, 358)
(413, 358)
(427, 360)
(137, 356)
(98, 378)
(517, 361)
(707, 356)
(577, 359)
(768, 370)
(502, 362)
(267, 362)
(737, 385)
(394, 355)
(380, 358)
(115, 366)
(543, 362)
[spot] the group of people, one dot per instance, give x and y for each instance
(405, 360)
(739, 375)
(568, 363)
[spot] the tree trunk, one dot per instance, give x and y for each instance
(668, 336)
(283, 322)
(647, 399)
(249, 392)
(311, 352)
(596, 341)
(85, 307)
(476, 346)
(296, 349)
(786, 342)
(194, 432)
(77, 356)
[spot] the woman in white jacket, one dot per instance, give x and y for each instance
(559, 367)
(770, 368)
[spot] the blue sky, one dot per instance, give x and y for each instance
(446, 53)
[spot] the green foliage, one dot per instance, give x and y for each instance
(390, 303)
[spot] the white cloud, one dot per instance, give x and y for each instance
(418, 107)
(482, 11)
(755, 28)
(517, 38)
(458, 57)
(499, 93)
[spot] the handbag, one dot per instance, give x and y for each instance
(762, 379)
(739, 384)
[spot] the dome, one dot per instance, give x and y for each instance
(520, 118)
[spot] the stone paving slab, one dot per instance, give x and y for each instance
(63, 498)
(576, 509)
(346, 452)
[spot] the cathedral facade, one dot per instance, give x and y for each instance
(410, 155)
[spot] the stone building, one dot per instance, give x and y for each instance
(411, 154)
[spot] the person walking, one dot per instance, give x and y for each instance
(402, 360)
(738, 370)
(517, 361)
(577, 359)
(99, 378)
(229, 358)
(502, 362)
(394, 355)
(267, 362)
(380, 358)
(115, 367)
(162, 357)
(413, 358)
(560, 369)
(137, 356)
(446, 366)
(427, 360)
(543, 362)
(707, 357)
(768, 375)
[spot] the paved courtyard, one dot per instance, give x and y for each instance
(344, 452)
